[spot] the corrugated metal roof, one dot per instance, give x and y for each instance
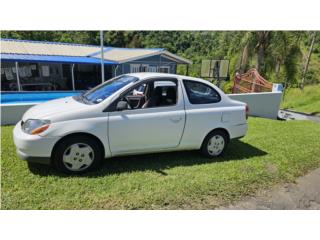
(122, 55)
(46, 48)
(114, 55)
(45, 58)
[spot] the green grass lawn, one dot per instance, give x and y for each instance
(272, 152)
(307, 100)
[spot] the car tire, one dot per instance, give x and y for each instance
(77, 154)
(215, 143)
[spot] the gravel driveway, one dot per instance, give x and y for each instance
(303, 194)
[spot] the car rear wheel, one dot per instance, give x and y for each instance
(77, 154)
(215, 143)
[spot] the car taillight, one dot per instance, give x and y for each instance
(247, 111)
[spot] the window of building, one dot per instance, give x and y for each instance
(152, 69)
(144, 68)
(139, 68)
(134, 68)
(200, 93)
(147, 68)
(164, 69)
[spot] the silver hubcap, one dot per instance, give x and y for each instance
(78, 157)
(216, 145)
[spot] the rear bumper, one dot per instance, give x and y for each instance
(33, 148)
(238, 131)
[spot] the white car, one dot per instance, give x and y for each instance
(130, 114)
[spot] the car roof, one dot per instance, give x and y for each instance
(143, 75)
(164, 83)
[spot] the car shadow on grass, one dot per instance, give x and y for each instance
(159, 162)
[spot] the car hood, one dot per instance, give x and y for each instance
(53, 108)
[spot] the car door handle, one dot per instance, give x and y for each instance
(176, 119)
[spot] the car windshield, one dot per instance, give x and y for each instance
(101, 92)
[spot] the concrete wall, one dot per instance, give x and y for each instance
(12, 113)
(264, 105)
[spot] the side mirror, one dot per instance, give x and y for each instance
(122, 105)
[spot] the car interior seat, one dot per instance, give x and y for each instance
(171, 96)
(155, 98)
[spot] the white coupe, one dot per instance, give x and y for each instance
(130, 114)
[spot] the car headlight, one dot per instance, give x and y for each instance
(35, 126)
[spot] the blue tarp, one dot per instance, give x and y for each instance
(47, 58)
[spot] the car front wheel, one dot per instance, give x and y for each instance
(215, 143)
(77, 154)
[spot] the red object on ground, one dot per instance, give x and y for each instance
(250, 81)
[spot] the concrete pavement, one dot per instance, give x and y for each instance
(303, 194)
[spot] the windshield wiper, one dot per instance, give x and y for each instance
(82, 98)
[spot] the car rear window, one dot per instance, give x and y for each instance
(200, 93)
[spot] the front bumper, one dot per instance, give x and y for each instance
(42, 160)
(33, 148)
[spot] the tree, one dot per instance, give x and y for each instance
(261, 47)
(276, 54)
(245, 52)
(305, 70)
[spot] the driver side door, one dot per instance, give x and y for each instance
(147, 129)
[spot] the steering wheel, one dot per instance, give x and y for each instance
(128, 101)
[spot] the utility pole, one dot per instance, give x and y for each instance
(18, 78)
(102, 57)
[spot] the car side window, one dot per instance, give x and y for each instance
(151, 94)
(160, 93)
(200, 93)
(139, 90)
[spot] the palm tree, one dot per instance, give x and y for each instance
(305, 69)
(263, 40)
